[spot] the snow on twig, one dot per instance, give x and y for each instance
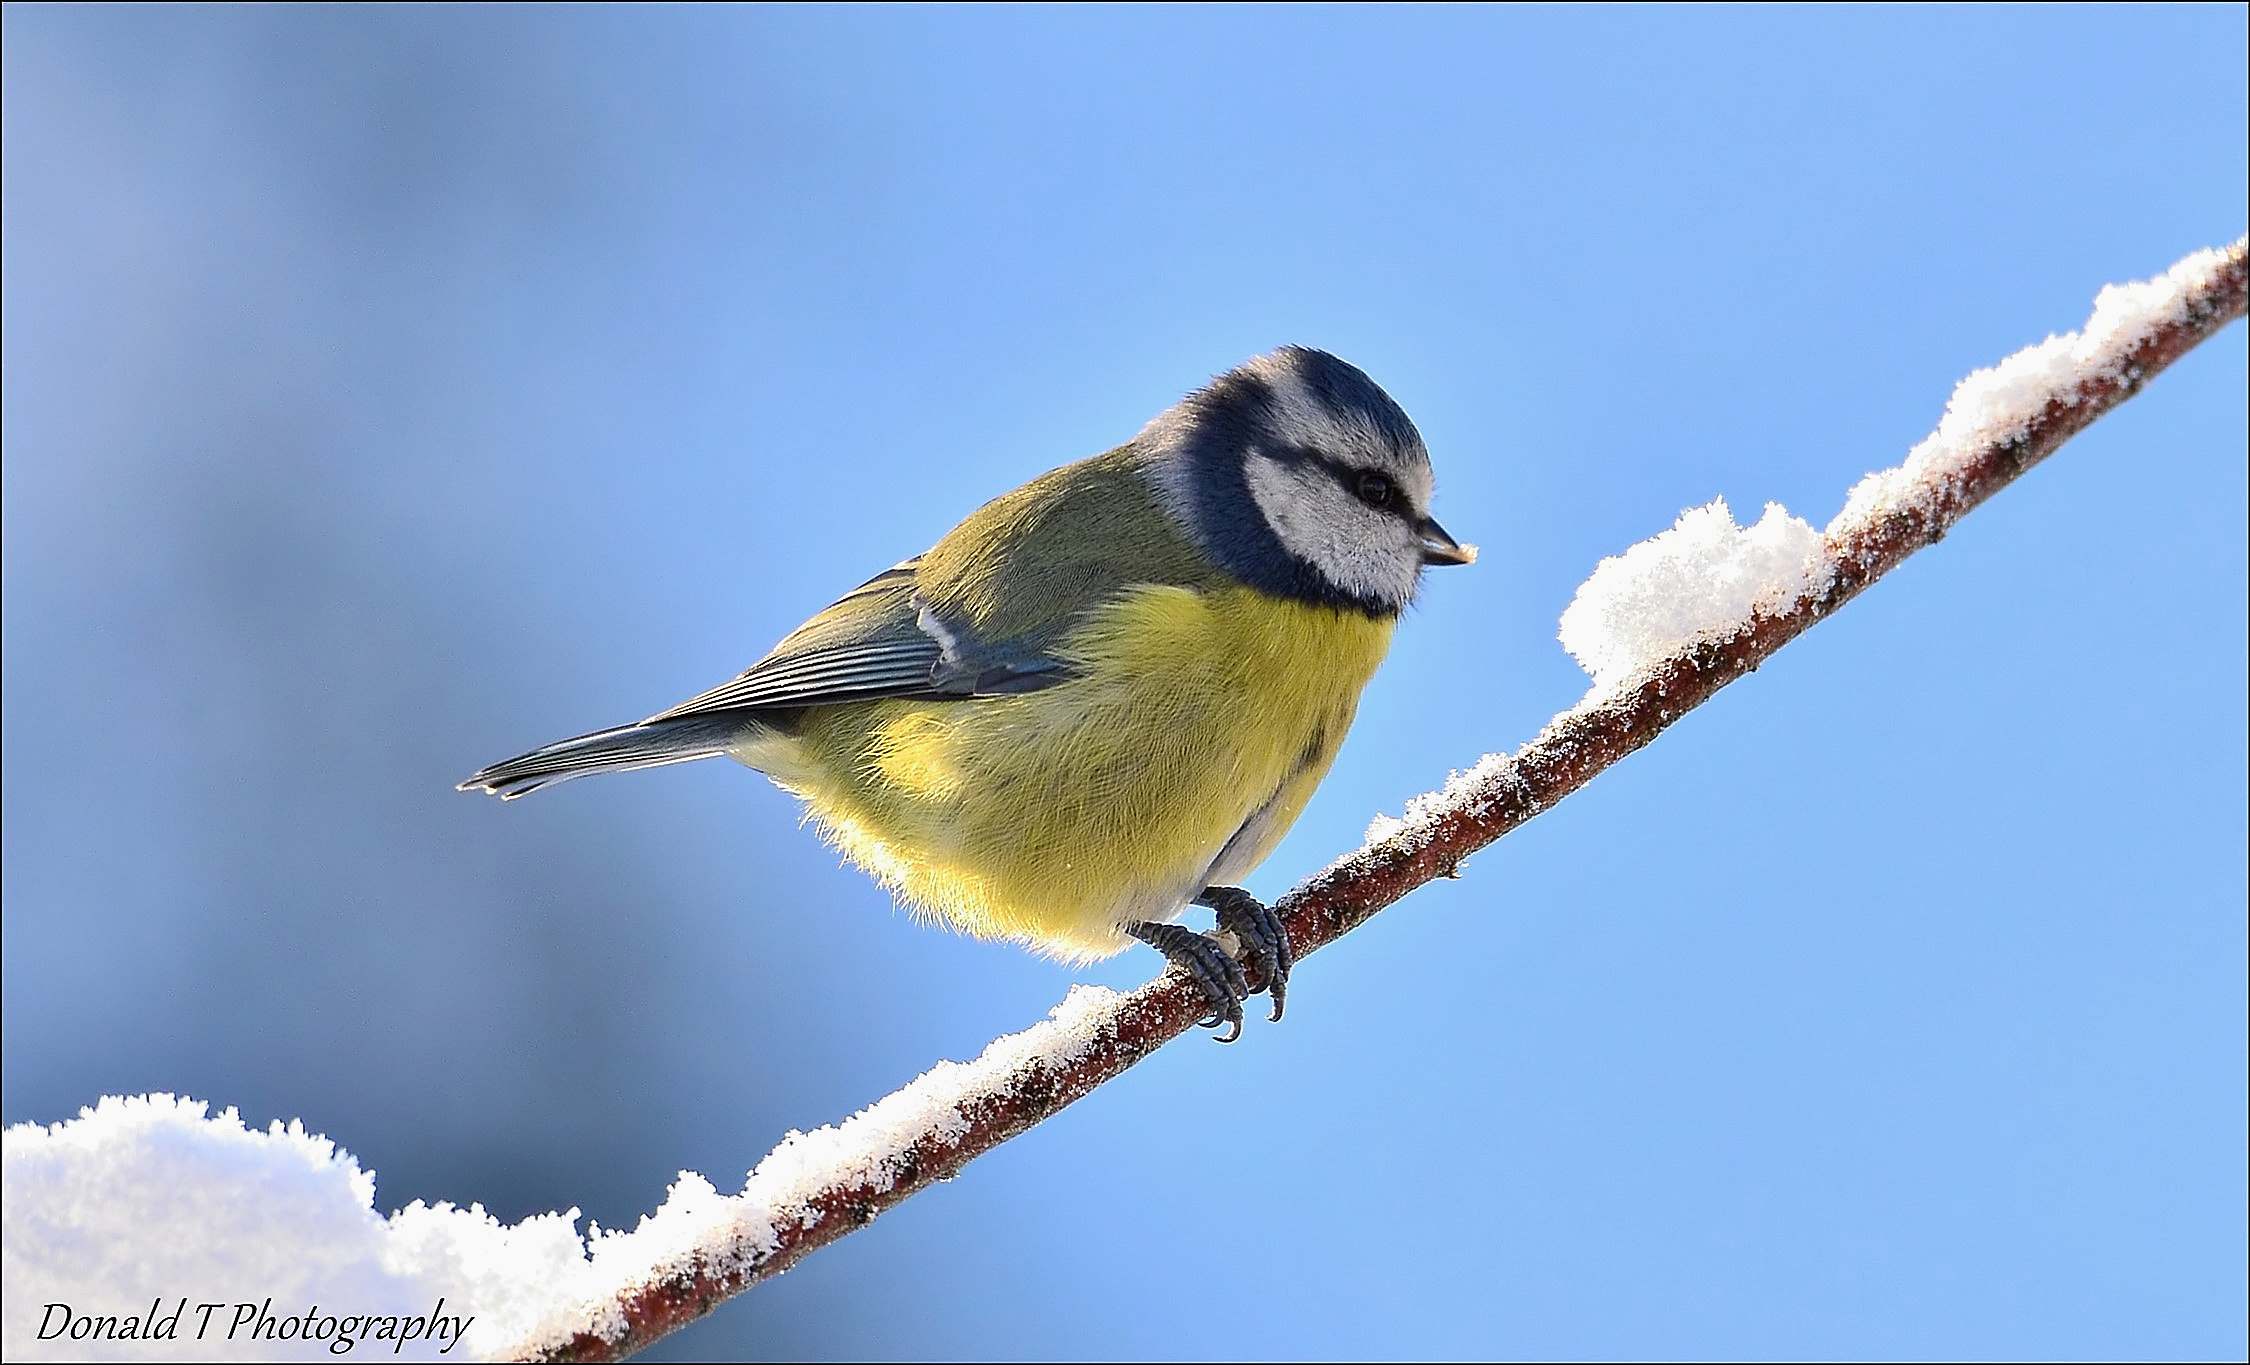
(1659, 629)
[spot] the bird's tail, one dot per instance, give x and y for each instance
(650, 745)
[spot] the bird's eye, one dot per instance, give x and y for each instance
(1375, 490)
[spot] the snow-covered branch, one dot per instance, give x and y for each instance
(1663, 628)
(1660, 629)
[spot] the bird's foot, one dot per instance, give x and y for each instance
(1208, 965)
(1263, 937)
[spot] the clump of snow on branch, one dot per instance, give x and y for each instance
(1706, 578)
(151, 1198)
(1995, 406)
(1699, 582)
(1463, 790)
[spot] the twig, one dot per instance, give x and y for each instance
(1024, 1080)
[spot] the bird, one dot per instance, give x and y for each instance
(1104, 696)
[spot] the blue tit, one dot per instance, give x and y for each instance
(1104, 696)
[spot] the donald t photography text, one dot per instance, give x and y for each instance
(339, 1333)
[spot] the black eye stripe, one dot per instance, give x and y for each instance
(1348, 477)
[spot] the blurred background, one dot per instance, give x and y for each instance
(389, 390)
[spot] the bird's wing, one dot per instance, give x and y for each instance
(982, 612)
(878, 640)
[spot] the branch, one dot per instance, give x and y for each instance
(816, 1188)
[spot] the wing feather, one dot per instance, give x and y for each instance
(878, 640)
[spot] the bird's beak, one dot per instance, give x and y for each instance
(1440, 548)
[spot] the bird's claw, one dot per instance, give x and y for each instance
(1215, 971)
(1262, 934)
(1209, 966)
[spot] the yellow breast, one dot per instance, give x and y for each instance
(1053, 817)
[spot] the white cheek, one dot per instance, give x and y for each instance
(1360, 550)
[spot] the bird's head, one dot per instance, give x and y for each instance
(1300, 476)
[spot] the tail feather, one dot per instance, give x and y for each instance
(612, 751)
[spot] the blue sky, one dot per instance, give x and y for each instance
(389, 390)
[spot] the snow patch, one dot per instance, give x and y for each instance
(151, 1198)
(1706, 578)
(1997, 405)
(1699, 582)
(148, 1200)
